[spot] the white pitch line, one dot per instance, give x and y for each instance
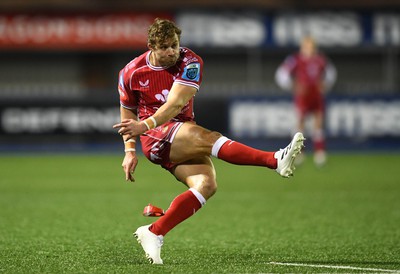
(337, 267)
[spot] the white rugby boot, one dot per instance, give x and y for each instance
(287, 155)
(151, 244)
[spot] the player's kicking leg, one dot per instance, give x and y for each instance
(286, 156)
(282, 160)
(232, 151)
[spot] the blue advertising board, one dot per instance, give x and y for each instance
(350, 120)
(346, 28)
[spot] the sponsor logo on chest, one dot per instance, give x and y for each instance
(144, 84)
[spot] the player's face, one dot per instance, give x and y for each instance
(308, 47)
(166, 54)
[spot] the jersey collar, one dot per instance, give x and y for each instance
(150, 65)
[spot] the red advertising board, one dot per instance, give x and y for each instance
(78, 31)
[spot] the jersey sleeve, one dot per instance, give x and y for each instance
(283, 75)
(127, 97)
(289, 63)
(191, 70)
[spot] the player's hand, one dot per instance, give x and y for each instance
(129, 165)
(130, 128)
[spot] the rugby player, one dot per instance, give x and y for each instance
(309, 74)
(156, 103)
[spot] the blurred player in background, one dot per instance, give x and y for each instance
(156, 96)
(309, 74)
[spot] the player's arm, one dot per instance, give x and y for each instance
(178, 97)
(130, 160)
(329, 77)
(283, 75)
(283, 78)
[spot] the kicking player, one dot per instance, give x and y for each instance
(156, 96)
(309, 74)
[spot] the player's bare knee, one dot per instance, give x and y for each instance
(208, 191)
(211, 188)
(202, 140)
(214, 136)
(206, 185)
(207, 139)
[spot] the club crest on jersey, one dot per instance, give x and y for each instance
(192, 72)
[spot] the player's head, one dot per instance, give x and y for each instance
(163, 40)
(308, 46)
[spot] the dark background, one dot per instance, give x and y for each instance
(66, 81)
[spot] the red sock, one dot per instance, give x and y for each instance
(319, 145)
(239, 154)
(319, 141)
(181, 208)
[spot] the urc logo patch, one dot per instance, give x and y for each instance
(192, 72)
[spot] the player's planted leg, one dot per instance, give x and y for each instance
(286, 156)
(150, 243)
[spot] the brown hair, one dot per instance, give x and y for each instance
(161, 30)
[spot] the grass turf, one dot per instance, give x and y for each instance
(76, 214)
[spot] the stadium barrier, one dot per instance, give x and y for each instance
(352, 122)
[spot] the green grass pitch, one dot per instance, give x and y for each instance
(76, 214)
